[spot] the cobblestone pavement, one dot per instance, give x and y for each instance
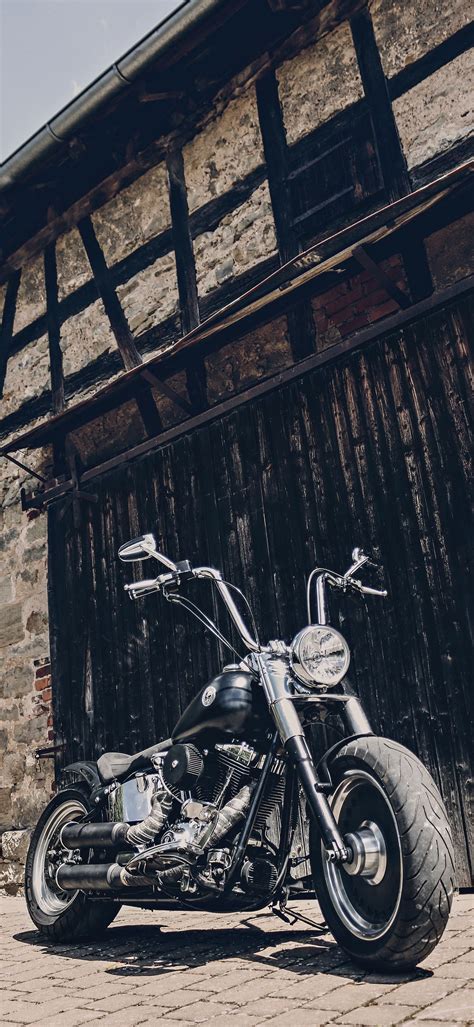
(190, 968)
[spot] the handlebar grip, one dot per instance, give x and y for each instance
(137, 588)
(374, 591)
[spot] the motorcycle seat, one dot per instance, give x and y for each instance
(114, 766)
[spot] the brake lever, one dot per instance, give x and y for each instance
(367, 591)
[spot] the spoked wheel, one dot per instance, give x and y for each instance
(47, 857)
(390, 904)
(62, 916)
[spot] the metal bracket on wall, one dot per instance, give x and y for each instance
(54, 487)
(49, 752)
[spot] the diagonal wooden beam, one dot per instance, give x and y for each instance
(167, 390)
(6, 329)
(186, 274)
(365, 260)
(53, 322)
(301, 327)
(118, 323)
(113, 308)
(392, 160)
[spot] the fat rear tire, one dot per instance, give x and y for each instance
(82, 918)
(425, 856)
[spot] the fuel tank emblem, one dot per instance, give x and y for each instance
(208, 695)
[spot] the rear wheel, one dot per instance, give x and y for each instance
(389, 906)
(61, 916)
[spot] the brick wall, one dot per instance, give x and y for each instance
(356, 303)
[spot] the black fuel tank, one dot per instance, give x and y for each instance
(232, 704)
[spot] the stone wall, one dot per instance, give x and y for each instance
(438, 112)
(407, 31)
(318, 83)
(243, 238)
(25, 695)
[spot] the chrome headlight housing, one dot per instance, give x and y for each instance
(319, 656)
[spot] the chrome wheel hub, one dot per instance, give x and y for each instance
(369, 852)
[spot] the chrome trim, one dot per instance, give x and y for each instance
(247, 638)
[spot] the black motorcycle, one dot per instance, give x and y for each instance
(207, 819)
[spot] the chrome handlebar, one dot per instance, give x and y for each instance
(346, 582)
(183, 571)
(142, 588)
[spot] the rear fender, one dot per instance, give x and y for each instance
(86, 769)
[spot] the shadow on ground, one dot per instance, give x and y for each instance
(153, 951)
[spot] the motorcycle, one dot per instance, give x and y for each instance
(187, 822)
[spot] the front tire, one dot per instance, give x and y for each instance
(61, 916)
(390, 907)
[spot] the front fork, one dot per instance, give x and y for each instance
(277, 687)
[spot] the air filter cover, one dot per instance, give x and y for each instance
(182, 767)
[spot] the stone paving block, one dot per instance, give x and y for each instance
(112, 1004)
(200, 1012)
(308, 988)
(375, 1016)
(21, 1012)
(225, 981)
(433, 988)
(157, 992)
(252, 990)
(268, 1007)
(455, 1008)
(300, 1018)
(234, 1019)
(350, 996)
(73, 1018)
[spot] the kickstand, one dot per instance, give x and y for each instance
(282, 914)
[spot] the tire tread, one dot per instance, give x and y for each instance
(424, 833)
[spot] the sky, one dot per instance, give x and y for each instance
(51, 49)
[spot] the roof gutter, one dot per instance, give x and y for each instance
(170, 39)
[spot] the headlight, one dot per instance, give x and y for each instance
(319, 656)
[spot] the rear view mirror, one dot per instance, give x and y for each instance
(140, 548)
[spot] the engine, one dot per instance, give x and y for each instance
(197, 802)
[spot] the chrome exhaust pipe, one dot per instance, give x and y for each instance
(99, 877)
(93, 836)
(89, 877)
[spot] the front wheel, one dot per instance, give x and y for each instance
(389, 906)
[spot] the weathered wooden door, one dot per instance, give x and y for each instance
(373, 451)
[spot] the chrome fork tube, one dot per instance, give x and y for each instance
(276, 685)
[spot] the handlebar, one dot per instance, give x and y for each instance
(141, 588)
(346, 582)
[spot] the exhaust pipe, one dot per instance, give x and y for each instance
(89, 876)
(98, 877)
(90, 836)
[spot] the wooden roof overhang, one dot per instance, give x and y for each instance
(312, 270)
